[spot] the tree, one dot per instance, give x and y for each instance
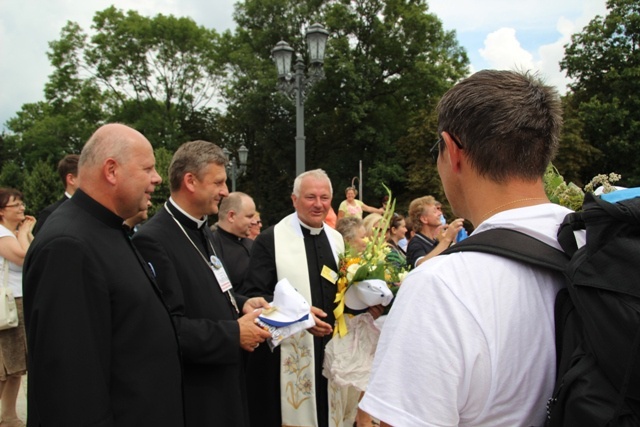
(11, 175)
(41, 187)
(575, 154)
(159, 75)
(162, 192)
(387, 64)
(163, 67)
(604, 60)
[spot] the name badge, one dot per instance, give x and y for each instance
(221, 274)
(329, 274)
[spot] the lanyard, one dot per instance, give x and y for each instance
(213, 263)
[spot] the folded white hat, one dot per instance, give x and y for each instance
(600, 190)
(288, 306)
(367, 293)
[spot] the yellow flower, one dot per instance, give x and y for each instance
(351, 271)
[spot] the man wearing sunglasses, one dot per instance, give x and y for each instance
(470, 339)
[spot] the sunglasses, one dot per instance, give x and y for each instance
(435, 150)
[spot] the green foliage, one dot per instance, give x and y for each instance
(387, 63)
(570, 195)
(606, 181)
(559, 192)
(575, 154)
(41, 187)
(11, 175)
(604, 60)
(162, 192)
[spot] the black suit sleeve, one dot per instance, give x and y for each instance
(261, 277)
(202, 340)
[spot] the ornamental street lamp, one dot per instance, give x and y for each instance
(296, 86)
(233, 169)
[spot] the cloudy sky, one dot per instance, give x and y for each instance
(503, 34)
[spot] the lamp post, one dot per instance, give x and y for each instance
(296, 86)
(233, 169)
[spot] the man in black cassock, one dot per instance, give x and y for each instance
(304, 250)
(102, 348)
(230, 239)
(213, 335)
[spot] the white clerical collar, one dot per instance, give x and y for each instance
(67, 194)
(199, 222)
(314, 231)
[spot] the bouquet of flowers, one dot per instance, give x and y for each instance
(373, 272)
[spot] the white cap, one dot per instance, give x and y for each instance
(367, 293)
(599, 191)
(289, 306)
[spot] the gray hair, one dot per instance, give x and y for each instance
(348, 227)
(318, 174)
(193, 157)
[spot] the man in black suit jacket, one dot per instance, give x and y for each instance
(102, 348)
(177, 243)
(68, 171)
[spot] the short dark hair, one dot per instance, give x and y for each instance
(68, 165)
(233, 202)
(6, 194)
(395, 220)
(508, 123)
(193, 157)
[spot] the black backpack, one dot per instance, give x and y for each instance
(597, 315)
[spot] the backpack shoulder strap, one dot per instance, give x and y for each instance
(514, 245)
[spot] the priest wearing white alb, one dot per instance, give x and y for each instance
(286, 387)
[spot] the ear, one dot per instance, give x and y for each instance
(110, 170)
(453, 153)
(188, 182)
(231, 215)
(71, 180)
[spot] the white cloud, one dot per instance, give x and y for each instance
(503, 51)
(508, 29)
(26, 28)
(503, 48)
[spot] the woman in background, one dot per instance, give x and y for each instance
(354, 207)
(15, 237)
(397, 231)
(255, 226)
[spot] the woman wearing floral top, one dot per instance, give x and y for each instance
(353, 207)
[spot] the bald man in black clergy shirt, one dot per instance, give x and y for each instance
(215, 326)
(230, 239)
(102, 348)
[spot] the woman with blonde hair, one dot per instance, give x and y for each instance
(15, 237)
(354, 207)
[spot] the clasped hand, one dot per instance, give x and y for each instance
(251, 335)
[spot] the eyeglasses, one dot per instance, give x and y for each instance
(435, 150)
(14, 205)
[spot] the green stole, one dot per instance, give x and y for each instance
(297, 373)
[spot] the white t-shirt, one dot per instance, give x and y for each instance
(15, 271)
(470, 338)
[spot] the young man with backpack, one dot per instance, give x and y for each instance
(470, 340)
